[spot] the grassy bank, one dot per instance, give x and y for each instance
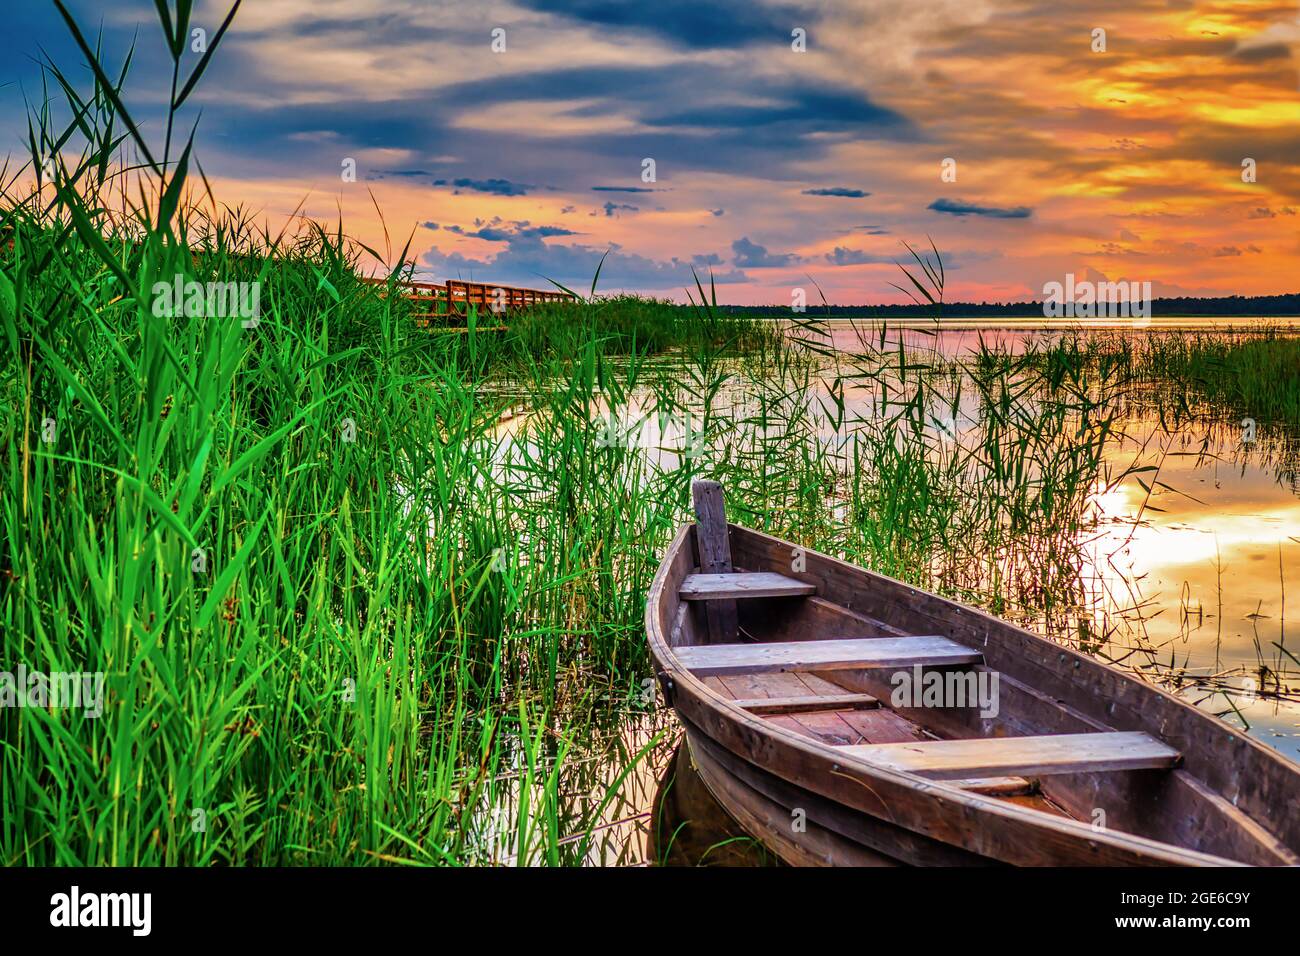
(629, 324)
(1257, 377)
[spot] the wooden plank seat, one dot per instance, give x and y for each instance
(736, 584)
(805, 705)
(930, 650)
(1023, 756)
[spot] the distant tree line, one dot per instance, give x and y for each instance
(1261, 305)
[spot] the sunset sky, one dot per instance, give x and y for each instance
(772, 166)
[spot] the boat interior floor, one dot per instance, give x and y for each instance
(825, 711)
(769, 651)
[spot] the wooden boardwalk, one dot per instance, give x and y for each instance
(452, 299)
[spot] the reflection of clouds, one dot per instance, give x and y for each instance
(1160, 544)
(1199, 583)
(1226, 558)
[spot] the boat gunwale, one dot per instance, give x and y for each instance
(949, 799)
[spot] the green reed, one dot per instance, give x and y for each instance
(285, 542)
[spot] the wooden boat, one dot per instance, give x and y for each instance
(793, 672)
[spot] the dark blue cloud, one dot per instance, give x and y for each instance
(497, 231)
(842, 256)
(688, 23)
(488, 233)
(544, 231)
(613, 207)
(794, 124)
(623, 189)
(736, 122)
(750, 255)
(795, 108)
(497, 187)
(843, 192)
(956, 207)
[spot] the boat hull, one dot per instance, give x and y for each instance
(804, 828)
(850, 812)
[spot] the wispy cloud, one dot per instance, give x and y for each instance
(955, 207)
(496, 187)
(842, 192)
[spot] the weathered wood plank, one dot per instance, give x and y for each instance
(828, 727)
(1023, 756)
(883, 726)
(754, 584)
(753, 686)
(876, 834)
(769, 821)
(996, 786)
(795, 705)
(708, 659)
(713, 544)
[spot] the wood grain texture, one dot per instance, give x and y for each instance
(1024, 756)
(808, 843)
(1168, 818)
(863, 830)
(1247, 779)
(745, 686)
(712, 659)
(748, 584)
(996, 786)
(713, 546)
(807, 704)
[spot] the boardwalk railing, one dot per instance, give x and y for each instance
(454, 297)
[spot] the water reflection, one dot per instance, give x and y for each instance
(688, 827)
